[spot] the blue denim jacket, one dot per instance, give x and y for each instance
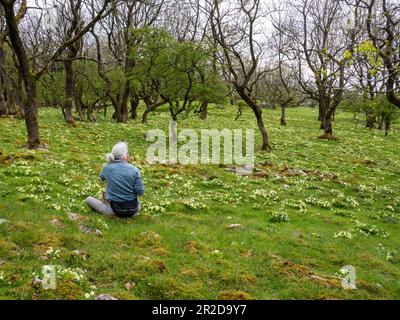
(124, 182)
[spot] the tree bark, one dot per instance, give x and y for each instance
(283, 116)
(370, 120)
(260, 122)
(327, 126)
(30, 106)
(321, 116)
(8, 95)
(3, 103)
(264, 134)
(150, 107)
(134, 106)
(69, 91)
(122, 111)
(204, 110)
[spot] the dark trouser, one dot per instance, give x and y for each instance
(104, 207)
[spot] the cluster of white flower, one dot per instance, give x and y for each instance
(154, 209)
(76, 274)
(34, 189)
(232, 199)
(370, 230)
(102, 224)
(343, 234)
(295, 204)
(195, 204)
(64, 180)
(352, 203)
(317, 202)
(270, 195)
(279, 217)
(92, 293)
(51, 253)
(54, 206)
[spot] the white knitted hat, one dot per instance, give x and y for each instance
(119, 151)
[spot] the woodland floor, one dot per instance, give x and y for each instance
(341, 197)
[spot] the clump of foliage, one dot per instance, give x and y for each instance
(279, 217)
(379, 112)
(180, 72)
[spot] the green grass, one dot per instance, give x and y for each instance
(173, 251)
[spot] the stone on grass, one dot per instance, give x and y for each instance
(73, 216)
(88, 230)
(130, 285)
(104, 296)
(56, 222)
(234, 226)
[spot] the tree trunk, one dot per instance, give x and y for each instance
(370, 120)
(69, 91)
(204, 110)
(79, 105)
(320, 114)
(150, 107)
(145, 114)
(283, 116)
(327, 124)
(134, 106)
(8, 94)
(387, 127)
(19, 97)
(122, 110)
(31, 117)
(30, 106)
(3, 103)
(264, 134)
(260, 122)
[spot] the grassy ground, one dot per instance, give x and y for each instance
(345, 211)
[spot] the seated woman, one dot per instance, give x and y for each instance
(124, 185)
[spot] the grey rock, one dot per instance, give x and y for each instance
(104, 296)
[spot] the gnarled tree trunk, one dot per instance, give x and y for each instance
(260, 121)
(204, 110)
(134, 106)
(30, 106)
(327, 125)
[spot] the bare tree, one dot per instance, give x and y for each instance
(71, 20)
(235, 28)
(383, 26)
(282, 85)
(10, 93)
(118, 27)
(29, 75)
(323, 44)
